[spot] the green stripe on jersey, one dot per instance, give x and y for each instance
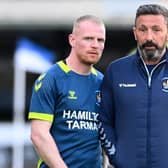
(40, 116)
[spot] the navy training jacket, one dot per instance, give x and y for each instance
(134, 113)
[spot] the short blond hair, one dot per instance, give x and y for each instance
(91, 18)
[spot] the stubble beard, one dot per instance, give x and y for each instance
(151, 55)
(90, 62)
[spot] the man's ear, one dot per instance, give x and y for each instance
(134, 32)
(71, 40)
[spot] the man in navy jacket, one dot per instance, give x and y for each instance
(134, 107)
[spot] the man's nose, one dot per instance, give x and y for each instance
(95, 43)
(149, 35)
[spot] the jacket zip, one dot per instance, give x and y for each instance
(149, 111)
(150, 74)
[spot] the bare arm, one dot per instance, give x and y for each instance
(45, 144)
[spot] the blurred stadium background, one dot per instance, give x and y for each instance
(44, 25)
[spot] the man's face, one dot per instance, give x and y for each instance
(151, 35)
(88, 42)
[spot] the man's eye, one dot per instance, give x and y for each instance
(142, 29)
(156, 30)
(88, 38)
(101, 40)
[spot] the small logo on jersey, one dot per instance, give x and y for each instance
(165, 84)
(72, 94)
(126, 85)
(39, 83)
(37, 86)
(98, 97)
(41, 76)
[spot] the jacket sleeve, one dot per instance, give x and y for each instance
(106, 117)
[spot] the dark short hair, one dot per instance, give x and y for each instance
(152, 9)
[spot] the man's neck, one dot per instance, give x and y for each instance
(78, 67)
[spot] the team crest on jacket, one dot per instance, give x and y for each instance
(98, 97)
(165, 84)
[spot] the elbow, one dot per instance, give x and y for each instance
(37, 137)
(39, 133)
(34, 137)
